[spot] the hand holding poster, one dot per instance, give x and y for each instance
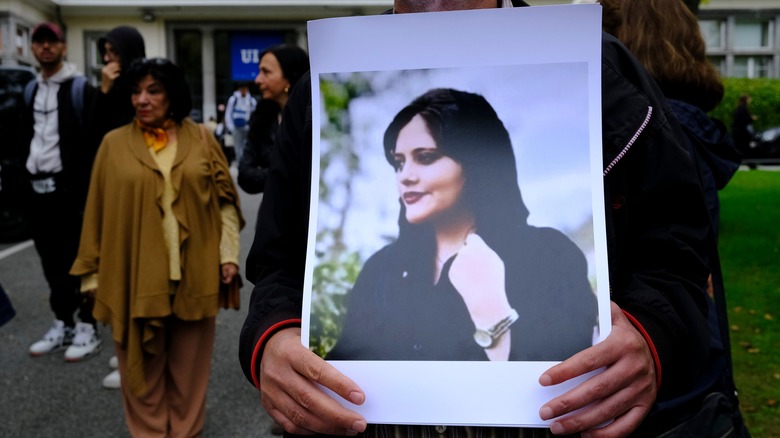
(457, 245)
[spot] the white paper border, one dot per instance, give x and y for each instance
(460, 393)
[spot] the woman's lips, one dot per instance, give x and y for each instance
(412, 197)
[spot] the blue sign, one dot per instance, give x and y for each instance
(245, 49)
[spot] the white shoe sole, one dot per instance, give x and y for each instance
(95, 351)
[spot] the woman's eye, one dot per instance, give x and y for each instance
(398, 165)
(428, 157)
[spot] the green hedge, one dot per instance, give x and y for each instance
(765, 100)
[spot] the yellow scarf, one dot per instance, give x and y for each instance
(155, 136)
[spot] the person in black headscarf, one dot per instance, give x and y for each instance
(112, 107)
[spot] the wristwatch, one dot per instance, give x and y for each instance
(486, 338)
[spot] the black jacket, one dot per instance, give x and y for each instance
(114, 109)
(256, 158)
(657, 225)
(77, 147)
(396, 313)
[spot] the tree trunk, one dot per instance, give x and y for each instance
(693, 5)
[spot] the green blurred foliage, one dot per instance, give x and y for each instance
(765, 101)
(337, 267)
(332, 280)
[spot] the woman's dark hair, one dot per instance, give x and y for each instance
(172, 79)
(292, 59)
(467, 129)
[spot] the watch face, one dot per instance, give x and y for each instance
(483, 338)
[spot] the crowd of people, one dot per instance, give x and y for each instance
(145, 238)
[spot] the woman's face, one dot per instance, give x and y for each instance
(111, 54)
(150, 101)
(271, 79)
(429, 182)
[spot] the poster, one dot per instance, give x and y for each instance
(478, 208)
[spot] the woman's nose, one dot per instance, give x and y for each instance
(407, 174)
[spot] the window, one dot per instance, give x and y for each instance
(752, 34)
(752, 67)
(22, 43)
(719, 62)
(92, 56)
(714, 33)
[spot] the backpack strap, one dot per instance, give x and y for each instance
(29, 92)
(77, 97)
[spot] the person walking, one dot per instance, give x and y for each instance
(238, 111)
(59, 158)
(742, 129)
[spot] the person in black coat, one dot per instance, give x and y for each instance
(656, 225)
(280, 68)
(466, 262)
(112, 108)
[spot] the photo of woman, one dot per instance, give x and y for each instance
(467, 278)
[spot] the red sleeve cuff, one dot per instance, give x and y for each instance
(653, 351)
(261, 343)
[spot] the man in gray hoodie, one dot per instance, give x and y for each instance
(59, 158)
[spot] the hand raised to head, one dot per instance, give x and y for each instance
(289, 375)
(108, 74)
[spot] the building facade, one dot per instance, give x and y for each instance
(743, 37)
(217, 42)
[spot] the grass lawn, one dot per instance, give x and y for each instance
(750, 255)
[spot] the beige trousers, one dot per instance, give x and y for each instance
(176, 380)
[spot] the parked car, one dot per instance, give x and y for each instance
(12, 82)
(764, 148)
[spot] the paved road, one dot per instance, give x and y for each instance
(46, 397)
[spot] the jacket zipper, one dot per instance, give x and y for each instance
(630, 142)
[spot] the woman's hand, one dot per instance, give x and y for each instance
(108, 74)
(228, 271)
(289, 375)
(478, 275)
(624, 392)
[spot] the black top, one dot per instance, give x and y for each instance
(393, 314)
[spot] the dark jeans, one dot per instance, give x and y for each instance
(55, 225)
(6, 309)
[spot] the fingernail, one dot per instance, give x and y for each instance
(359, 426)
(546, 413)
(545, 380)
(556, 428)
(356, 397)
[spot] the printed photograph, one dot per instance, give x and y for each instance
(454, 219)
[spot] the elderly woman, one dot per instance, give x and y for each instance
(468, 278)
(160, 234)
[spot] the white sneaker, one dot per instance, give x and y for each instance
(86, 342)
(113, 363)
(57, 338)
(112, 381)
